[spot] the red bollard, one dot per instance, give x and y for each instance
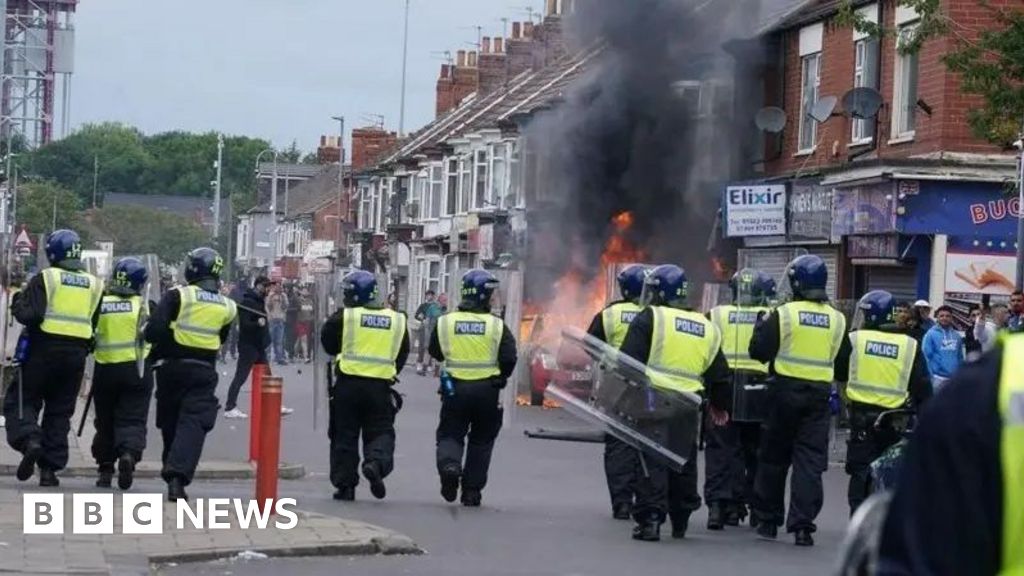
(255, 395)
(270, 442)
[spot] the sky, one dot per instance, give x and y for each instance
(276, 69)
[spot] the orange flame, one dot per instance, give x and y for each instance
(578, 298)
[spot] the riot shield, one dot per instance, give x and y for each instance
(624, 403)
(323, 284)
(749, 389)
(858, 553)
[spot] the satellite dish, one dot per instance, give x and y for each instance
(771, 119)
(822, 109)
(862, 103)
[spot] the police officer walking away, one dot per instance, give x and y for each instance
(803, 340)
(370, 344)
(682, 351)
(59, 309)
(187, 330)
(610, 326)
(479, 354)
(731, 450)
(885, 370)
(120, 394)
(958, 507)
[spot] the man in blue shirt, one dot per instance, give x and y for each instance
(943, 348)
(1016, 321)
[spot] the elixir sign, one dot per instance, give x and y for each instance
(755, 210)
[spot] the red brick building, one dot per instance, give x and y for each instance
(891, 201)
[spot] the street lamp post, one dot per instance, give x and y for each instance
(405, 65)
(273, 203)
(341, 174)
(216, 191)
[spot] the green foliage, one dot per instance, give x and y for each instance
(989, 61)
(36, 207)
(138, 230)
(175, 163)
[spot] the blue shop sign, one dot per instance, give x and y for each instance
(973, 209)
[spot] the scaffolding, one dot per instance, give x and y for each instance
(38, 60)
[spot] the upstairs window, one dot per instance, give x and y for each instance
(436, 190)
(904, 100)
(451, 201)
(811, 38)
(865, 75)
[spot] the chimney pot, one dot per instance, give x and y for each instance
(499, 45)
(445, 71)
(323, 141)
(517, 28)
(471, 60)
(460, 59)
(527, 30)
(552, 7)
(485, 45)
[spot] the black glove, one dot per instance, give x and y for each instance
(499, 383)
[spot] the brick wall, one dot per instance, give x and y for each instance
(368, 144)
(329, 151)
(493, 65)
(945, 130)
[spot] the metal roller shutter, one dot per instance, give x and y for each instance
(901, 281)
(773, 261)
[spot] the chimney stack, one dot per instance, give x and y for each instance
(528, 30)
(516, 30)
(485, 45)
(499, 45)
(471, 59)
(460, 58)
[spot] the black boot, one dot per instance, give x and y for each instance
(680, 522)
(622, 511)
(33, 451)
(48, 478)
(471, 497)
(716, 516)
(647, 531)
(767, 531)
(371, 471)
(735, 514)
(345, 494)
(803, 538)
(176, 490)
(450, 477)
(125, 471)
(106, 476)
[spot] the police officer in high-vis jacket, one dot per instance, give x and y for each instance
(682, 351)
(479, 354)
(958, 507)
(885, 371)
(803, 340)
(187, 330)
(610, 326)
(370, 345)
(730, 453)
(59, 309)
(120, 394)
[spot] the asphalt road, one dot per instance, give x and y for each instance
(545, 511)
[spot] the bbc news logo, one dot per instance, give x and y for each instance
(144, 514)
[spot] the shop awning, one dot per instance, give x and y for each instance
(874, 174)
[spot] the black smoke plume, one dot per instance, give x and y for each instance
(625, 140)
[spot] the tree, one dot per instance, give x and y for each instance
(138, 230)
(990, 61)
(41, 204)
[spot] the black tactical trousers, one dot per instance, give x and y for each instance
(248, 355)
(360, 405)
(730, 460)
(661, 491)
(621, 466)
(795, 434)
(50, 381)
(186, 411)
(473, 413)
(863, 447)
(121, 403)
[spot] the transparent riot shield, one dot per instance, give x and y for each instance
(858, 553)
(660, 423)
(323, 285)
(748, 386)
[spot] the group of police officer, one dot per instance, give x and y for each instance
(68, 313)
(767, 376)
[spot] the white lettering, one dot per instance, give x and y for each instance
(281, 507)
(142, 514)
(42, 513)
(196, 517)
(253, 511)
(218, 508)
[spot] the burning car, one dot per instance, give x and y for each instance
(567, 366)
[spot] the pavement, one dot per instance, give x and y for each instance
(545, 512)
